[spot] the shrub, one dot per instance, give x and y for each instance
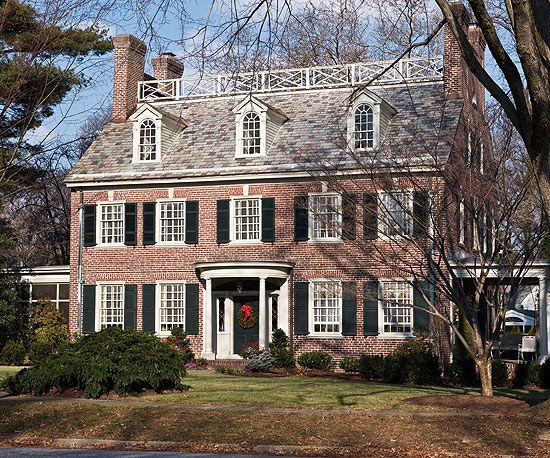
(544, 374)
(180, 341)
(371, 367)
(112, 359)
(463, 369)
(279, 347)
(228, 370)
(319, 360)
(500, 372)
(413, 361)
(527, 374)
(349, 364)
(249, 349)
(13, 353)
(49, 331)
(262, 362)
(201, 363)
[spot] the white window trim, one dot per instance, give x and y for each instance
(311, 218)
(380, 217)
(248, 108)
(376, 109)
(159, 202)
(392, 335)
(136, 136)
(99, 243)
(311, 299)
(461, 222)
(98, 301)
(232, 237)
(157, 304)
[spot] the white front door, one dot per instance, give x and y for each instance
(224, 325)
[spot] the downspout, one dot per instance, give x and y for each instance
(80, 272)
(432, 249)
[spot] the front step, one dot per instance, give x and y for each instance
(227, 362)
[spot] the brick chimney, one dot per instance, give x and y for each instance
(167, 67)
(129, 70)
(460, 83)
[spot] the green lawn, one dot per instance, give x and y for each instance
(6, 371)
(294, 391)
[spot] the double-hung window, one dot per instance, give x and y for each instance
(363, 134)
(396, 305)
(326, 306)
(251, 134)
(246, 225)
(111, 306)
(171, 224)
(171, 307)
(325, 211)
(148, 140)
(111, 224)
(396, 213)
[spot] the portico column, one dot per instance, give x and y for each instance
(207, 321)
(544, 314)
(262, 324)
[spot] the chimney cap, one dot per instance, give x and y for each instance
(168, 54)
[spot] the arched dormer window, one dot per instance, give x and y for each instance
(148, 140)
(363, 133)
(251, 134)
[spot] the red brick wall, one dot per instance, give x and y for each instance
(348, 261)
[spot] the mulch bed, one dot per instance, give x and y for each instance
(469, 403)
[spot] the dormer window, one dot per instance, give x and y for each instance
(364, 127)
(369, 117)
(251, 136)
(148, 140)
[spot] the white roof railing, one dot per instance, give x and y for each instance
(416, 69)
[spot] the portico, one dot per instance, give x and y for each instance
(229, 288)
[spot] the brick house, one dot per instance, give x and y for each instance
(198, 207)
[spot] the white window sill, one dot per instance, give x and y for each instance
(136, 161)
(106, 246)
(245, 242)
(396, 335)
(325, 335)
(246, 156)
(325, 241)
(171, 244)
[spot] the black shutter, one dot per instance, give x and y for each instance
(88, 309)
(149, 209)
(130, 224)
(370, 308)
(268, 219)
(421, 318)
(370, 216)
(192, 308)
(301, 305)
(420, 213)
(130, 307)
(349, 308)
(192, 221)
(148, 308)
(222, 225)
(89, 225)
(349, 205)
(301, 217)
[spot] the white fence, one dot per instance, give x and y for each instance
(381, 72)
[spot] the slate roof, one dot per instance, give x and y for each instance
(422, 129)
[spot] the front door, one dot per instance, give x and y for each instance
(245, 332)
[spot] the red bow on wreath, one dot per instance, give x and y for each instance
(247, 312)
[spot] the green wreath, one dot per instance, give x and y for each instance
(247, 316)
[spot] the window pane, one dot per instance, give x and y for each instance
(251, 134)
(111, 306)
(246, 219)
(148, 141)
(221, 314)
(397, 307)
(63, 291)
(44, 292)
(112, 223)
(274, 313)
(172, 306)
(364, 127)
(172, 222)
(326, 214)
(327, 302)
(396, 213)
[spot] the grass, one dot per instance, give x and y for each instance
(6, 371)
(306, 392)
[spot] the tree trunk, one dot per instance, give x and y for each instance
(485, 368)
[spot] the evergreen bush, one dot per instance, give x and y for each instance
(113, 359)
(262, 362)
(349, 364)
(13, 353)
(544, 374)
(49, 332)
(180, 341)
(463, 369)
(318, 360)
(527, 374)
(371, 367)
(500, 372)
(279, 347)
